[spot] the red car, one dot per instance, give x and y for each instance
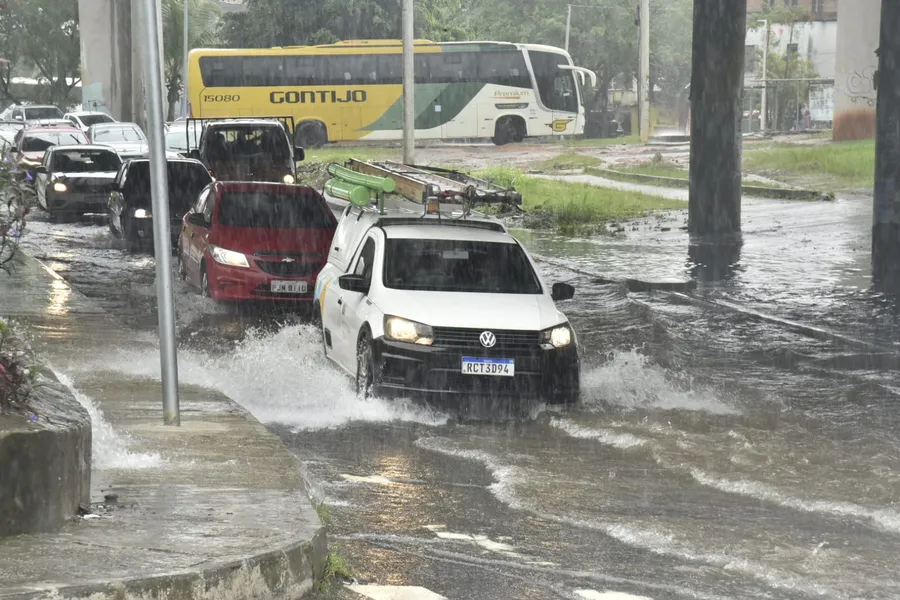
(32, 142)
(256, 241)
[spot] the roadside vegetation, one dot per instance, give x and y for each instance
(567, 161)
(839, 165)
(574, 207)
(337, 571)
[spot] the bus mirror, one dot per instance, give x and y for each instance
(299, 154)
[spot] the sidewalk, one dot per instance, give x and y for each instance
(214, 509)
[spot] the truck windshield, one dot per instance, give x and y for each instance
(271, 210)
(248, 141)
(458, 266)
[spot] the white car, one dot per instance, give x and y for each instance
(84, 119)
(125, 138)
(435, 304)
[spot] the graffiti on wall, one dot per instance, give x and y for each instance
(860, 86)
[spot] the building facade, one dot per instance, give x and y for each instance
(854, 98)
(823, 10)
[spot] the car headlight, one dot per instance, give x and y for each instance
(289, 178)
(229, 257)
(403, 330)
(142, 213)
(556, 337)
(59, 186)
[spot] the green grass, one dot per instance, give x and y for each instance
(568, 160)
(572, 207)
(600, 142)
(340, 154)
(656, 169)
(324, 512)
(336, 567)
(841, 165)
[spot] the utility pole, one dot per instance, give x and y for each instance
(184, 71)
(568, 25)
(717, 79)
(409, 82)
(644, 71)
(765, 73)
(886, 209)
(159, 190)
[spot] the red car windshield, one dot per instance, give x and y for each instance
(268, 210)
(41, 141)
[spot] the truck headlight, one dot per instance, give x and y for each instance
(142, 213)
(556, 337)
(59, 186)
(289, 178)
(229, 257)
(403, 330)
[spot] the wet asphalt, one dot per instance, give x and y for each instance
(714, 455)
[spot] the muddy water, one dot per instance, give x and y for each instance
(714, 456)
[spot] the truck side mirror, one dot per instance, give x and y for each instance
(562, 291)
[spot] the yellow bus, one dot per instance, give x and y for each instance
(353, 90)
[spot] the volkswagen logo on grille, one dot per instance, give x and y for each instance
(487, 339)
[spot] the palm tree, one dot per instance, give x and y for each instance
(203, 26)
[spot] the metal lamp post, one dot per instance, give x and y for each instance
(159, 190)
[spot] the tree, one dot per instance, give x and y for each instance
(43, 35)
(203, 25)
(268, 23)
(671, 32)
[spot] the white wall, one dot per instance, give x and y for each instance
(816, 42)
(859, 24)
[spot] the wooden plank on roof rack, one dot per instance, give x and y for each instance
(408, 187)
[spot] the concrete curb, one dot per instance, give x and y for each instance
(285, 573)
(46, 464)
(675, 182)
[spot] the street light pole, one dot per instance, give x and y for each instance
(644, 71)
(184, 69)
(765, 90)
(409, 82)
(159, 190)
(568, 25)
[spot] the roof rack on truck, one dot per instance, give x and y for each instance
(380, 198)
(420, 183)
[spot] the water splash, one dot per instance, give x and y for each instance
(109, 448)
(281, 377)
(630, 380)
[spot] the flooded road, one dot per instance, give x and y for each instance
(714, 456)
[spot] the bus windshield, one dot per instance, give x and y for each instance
(556, 86)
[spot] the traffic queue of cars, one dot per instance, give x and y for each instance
(408, 298)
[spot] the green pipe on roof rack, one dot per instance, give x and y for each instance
(379, 184)
(358, 195)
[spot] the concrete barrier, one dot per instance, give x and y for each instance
(45, 463)
(676, 182)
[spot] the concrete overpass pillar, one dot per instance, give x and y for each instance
(886, 213)
(716, 112)
(106, 48)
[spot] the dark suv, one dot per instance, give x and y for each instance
(246, 150)
(131, 209)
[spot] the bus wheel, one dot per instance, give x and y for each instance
(507, 130)
(311, 134)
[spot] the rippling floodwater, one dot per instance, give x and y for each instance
(714, 456)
